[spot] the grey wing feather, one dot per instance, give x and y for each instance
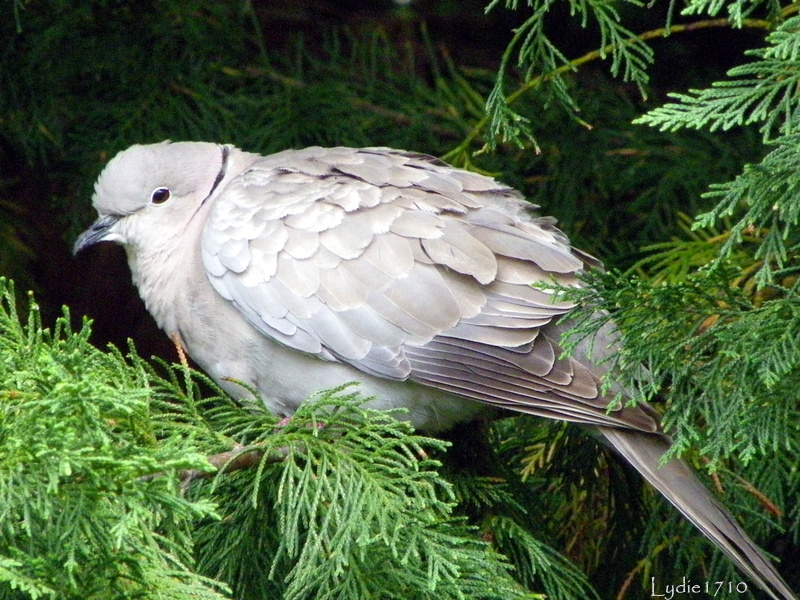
(676, 481)
(406, 269)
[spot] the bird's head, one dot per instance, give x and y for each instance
(148, 194)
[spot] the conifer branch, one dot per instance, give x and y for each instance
(662, 32)
(236, 459)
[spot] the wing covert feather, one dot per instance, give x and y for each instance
(406, 269)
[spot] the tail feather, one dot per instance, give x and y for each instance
(679, 484)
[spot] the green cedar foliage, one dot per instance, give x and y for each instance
(76, 436)
(542, 61)
(761, 92)
(353, 509)
(340, 502)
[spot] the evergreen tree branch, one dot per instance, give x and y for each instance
(460, 154)
(238, 458)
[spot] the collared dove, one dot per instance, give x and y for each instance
(307, 269)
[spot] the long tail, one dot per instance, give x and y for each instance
(678, 483)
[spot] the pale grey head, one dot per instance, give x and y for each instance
(159, 185)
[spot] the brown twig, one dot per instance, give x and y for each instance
(768, 504)
(237, 459)
(178, 342)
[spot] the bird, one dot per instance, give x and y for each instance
(310, 268)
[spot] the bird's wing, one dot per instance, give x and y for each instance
(405, 268)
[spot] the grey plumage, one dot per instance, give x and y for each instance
(310, 268)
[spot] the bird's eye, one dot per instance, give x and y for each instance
(159, 195)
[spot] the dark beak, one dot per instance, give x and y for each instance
(96, 233)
